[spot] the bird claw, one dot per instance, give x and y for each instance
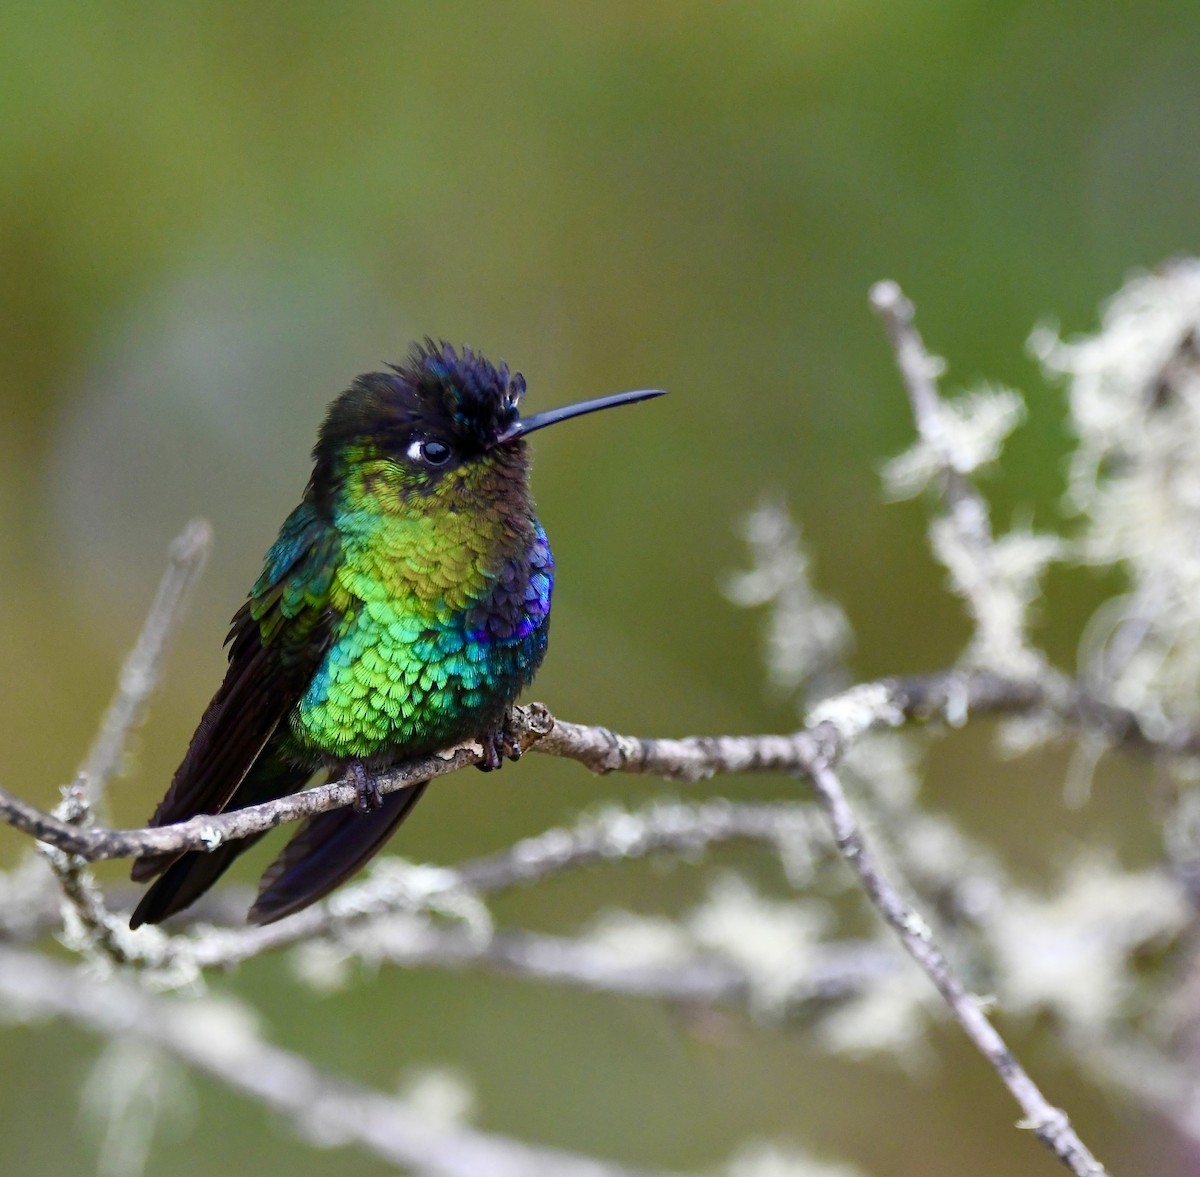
(499, 744)
(369, 797)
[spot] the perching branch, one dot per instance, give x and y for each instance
(949, 697)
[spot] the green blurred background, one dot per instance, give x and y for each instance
(213, 215)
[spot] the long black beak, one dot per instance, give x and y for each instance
(522, 426)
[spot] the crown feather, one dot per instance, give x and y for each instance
(441, 391)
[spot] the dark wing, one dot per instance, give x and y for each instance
(326, 851)
(276, 644)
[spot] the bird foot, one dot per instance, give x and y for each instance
(369, 797)
(500, 743)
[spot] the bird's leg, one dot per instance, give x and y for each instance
(499, 742)
(369, 796)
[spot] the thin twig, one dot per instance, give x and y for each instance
(91, 928)
(141, 668)
(920, 371)
(1048, 1123)
(962, 540)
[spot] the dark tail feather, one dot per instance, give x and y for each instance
(148, 866)
(186, 877)
(185, 880)
(326, 851)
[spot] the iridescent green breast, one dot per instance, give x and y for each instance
(442, 622)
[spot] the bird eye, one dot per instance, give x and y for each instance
(429, 451)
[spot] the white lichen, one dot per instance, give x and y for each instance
(889, 1016)
(968, 433)
(807, 635)
(322, 965)
(395, 885)
(439, 1098)
(856, 711)
(1134, 393)
(997, 578)
(769, 1159)
(219, 1028)
(649, 941)
(998, 582)
(1070, 952)
(773, 941)
(887, 764)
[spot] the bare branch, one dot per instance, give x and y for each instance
(1048, 1123)
(140, 670)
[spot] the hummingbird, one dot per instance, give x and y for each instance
(402, 609)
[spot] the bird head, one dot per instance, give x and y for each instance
(444, 425)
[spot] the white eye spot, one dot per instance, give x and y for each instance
(428, 451)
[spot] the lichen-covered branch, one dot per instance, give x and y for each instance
(1077, 949)
(221, 1040)
(997, 578)
(832, 973)
(613, 836)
